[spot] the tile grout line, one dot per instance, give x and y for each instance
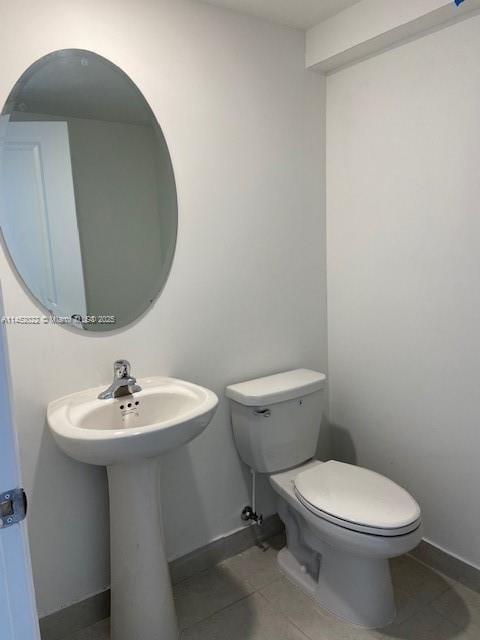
(322, 611)
(278, 610)
(254, 590)
(448, 619)
(258, 590)
(245, 581)
(211, 615)
(287, 618)
(240, 578)
(437, 571)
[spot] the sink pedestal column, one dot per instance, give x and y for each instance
(142, 600)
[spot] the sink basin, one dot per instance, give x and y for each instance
(128, 435)
(166, 414)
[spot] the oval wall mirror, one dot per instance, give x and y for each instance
(88, 204)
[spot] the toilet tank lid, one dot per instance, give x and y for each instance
(276, 388)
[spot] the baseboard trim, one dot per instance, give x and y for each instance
(64, 622)
(226, 547)
(451, 566)
(60, 624)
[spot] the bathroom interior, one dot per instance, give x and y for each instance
(239, 310)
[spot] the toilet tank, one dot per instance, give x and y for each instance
(276, 419)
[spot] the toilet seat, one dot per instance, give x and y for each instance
(357, 499)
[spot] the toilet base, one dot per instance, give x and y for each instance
(356, 589)
(296, 572)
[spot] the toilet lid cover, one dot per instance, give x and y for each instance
(357, 495)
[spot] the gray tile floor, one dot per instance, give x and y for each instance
(247, 598)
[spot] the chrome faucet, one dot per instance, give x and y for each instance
(123, 383)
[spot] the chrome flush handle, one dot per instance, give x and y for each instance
(266, 413)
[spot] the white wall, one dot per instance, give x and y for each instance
(403, 229)
(246, 293)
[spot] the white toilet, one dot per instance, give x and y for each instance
(343, 522)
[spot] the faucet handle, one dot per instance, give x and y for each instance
(123, 383)
(121, 369)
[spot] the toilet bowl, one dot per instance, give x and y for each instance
(341, 563)
(343, 522)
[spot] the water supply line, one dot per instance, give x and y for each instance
(249, 513)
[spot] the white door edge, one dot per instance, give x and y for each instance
(18, 614)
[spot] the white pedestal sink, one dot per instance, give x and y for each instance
(127, 435)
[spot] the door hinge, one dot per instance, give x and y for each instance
(13, 507)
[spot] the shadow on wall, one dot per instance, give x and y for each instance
(182, 504)
(324, 445)
(342, 445)
(265, 496)
(67, 496)
(192, 517)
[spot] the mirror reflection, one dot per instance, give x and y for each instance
(88, 204)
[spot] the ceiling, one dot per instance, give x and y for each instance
(301, 14)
